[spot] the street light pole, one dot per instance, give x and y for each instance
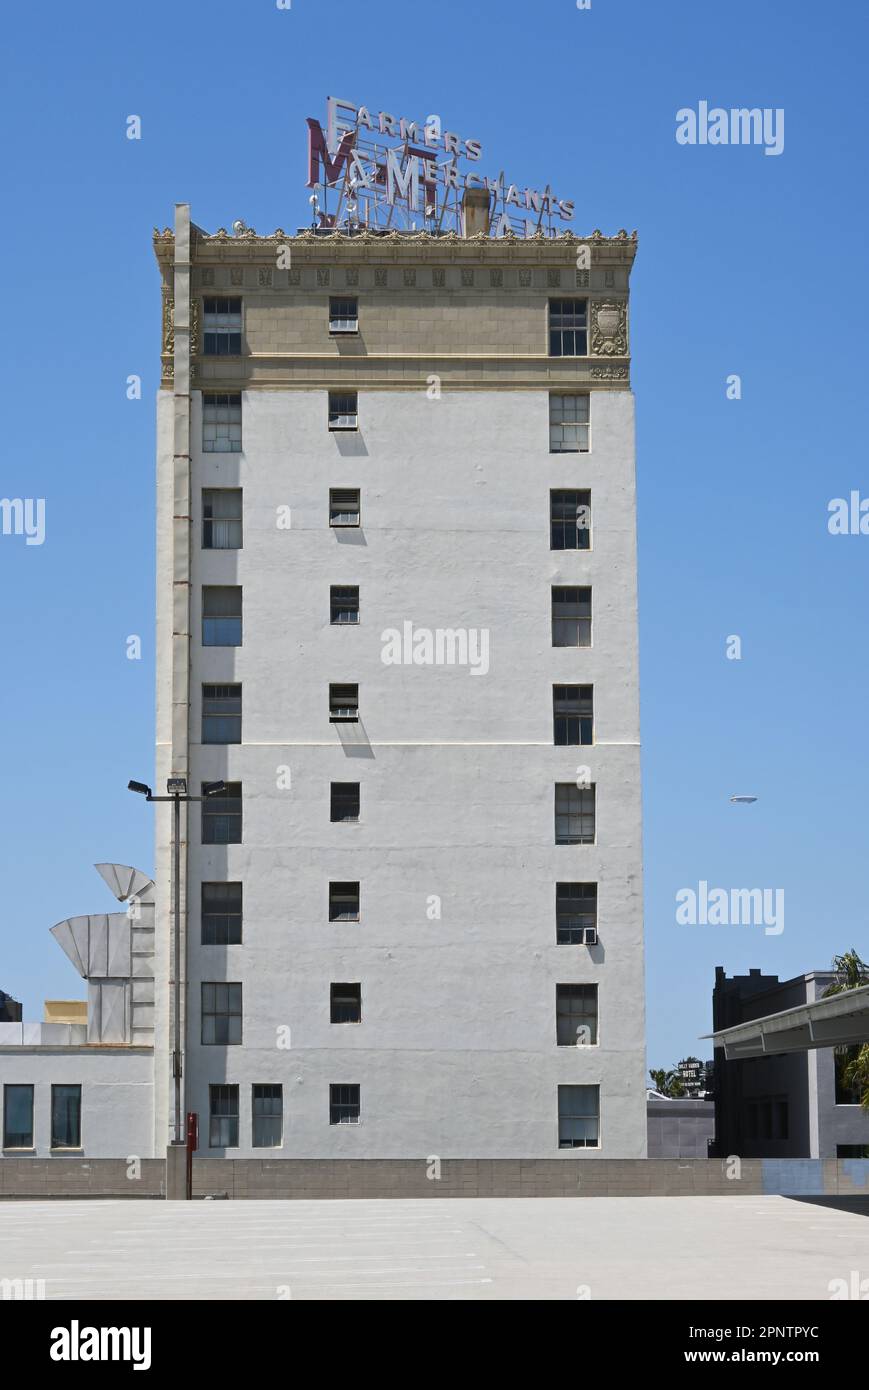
(177, 789)
(176, 1055)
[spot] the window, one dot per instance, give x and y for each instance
(343, 316)
(344, 1105)
(578, 1117)
(17, 1117)
(221, 423)
(576, 1015)
(221, 518)
(568, 328)
(221, 324)
(221, 616)
(343, 902)
(223, 1117)
(572, 715)
(344, 604)
(344, 801)
(568, 424)
(343, 410)
(343, 704)
(571, 616)
(66, 1117)
(344, 508)
(570, 519)
(221, 816)
(574, 814)
(221, 914)
(268, 1117)
(576, 914)
(345, 1003)
(221, 714)
(221, 1014)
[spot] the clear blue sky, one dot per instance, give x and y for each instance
(748, 264)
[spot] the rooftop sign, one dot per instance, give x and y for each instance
(386, 171)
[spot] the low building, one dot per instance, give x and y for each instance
(679, 1128)
(774, 1102)
(82, 1081)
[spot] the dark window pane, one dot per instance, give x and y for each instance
(66, 1117)
(17, 1117)
(345, 801)
(221, 914)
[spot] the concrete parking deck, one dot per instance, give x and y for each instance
(598, 1248)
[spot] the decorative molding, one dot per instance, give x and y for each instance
(351, 275)
(168, 342)
(380, 278)
(323, 276)
(265, 276)
(334, 234)
(609, 328)
(496, 279)
(610, 373)
(525, 278)
(365, 247)
(236, 275)
(409, 277)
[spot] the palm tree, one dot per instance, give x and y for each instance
(856, 1072)
(851, 973)
(667, 1082)
(851, 1062)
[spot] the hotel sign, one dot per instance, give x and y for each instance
(386, 171)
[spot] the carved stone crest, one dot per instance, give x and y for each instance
(609, 328)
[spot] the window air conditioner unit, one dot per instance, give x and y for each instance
(343, 422)
(591, 936)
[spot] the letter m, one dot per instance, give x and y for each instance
(13, 515)
(405, 180)
(746, 127)
(746, 907)
(11, 1289)
(318, 152)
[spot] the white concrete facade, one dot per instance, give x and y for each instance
(456, 1052)
(117, 1096)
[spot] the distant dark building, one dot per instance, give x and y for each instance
(10, 1009)
(788, 1106)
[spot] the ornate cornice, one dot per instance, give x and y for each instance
(311, 246)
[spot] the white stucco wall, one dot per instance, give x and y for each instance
(456, 1054)
(117, 1110)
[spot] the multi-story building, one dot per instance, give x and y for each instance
(397, 621)
(397, 618)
